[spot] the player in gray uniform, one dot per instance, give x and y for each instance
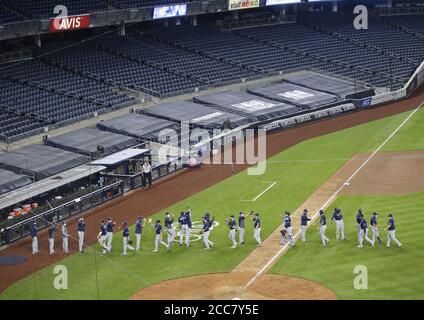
(52, 231)
(392, 231)
(338, 217)
(322, 228)
(65, 237)
(233, 228)
(170, 230)
(363, 233)
(374, 228)
(241, 222)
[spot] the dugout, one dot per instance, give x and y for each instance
(303, 97)
(247, 105)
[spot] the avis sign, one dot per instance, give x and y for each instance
(242, 4)
(69, 23)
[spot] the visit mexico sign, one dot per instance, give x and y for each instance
(242, 4)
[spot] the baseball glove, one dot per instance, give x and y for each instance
(130, 241)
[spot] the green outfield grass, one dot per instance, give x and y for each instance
(393, 273)
(116, 277)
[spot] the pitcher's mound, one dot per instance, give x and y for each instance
(228, 286)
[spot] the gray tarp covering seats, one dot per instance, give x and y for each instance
(85, 141)
(246, 104)
(297, 95)
(197, 114)
(340, 87)
(40, 161)
(10, 181)
(139, 126)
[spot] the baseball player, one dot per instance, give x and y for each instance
(81, 231)
(283, 236)
(183, 226)
(322, 228)
(358, 221)
(126, 242)
(34, 240)
(109, 232)
(102, 238)
(257, 229)
(206, 231)
(233, 228)
(363, 233)
(288, 227)
(170, 230)
(374, 228)
(158, 238)
(392, 232)
(188, 228)
(241, 221)
(65, 237)
(52, 231)
(139, 224)
(338, 217)
(304, 224)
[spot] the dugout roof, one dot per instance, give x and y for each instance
(297, 95)
(86, 141)
(40, 161)
(10, 181)
(247, 104)
(197, 114)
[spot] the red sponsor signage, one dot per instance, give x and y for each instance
(69, 23)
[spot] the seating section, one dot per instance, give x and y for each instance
(143, 3)
(44, 8)
(115, 70)
(8, 16)
(246, 53)
(414, 23)
(15, 126)
(188, 64)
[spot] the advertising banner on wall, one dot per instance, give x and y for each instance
(69, 23)
(242, 4)
(274, 2)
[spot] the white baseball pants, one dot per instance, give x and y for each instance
(109, 236)
(241, 235)
(391, 235)
(158, 239)
(340, 229)
(102, 242)
(51, 246)
(206, 241)
(81, 241)
(171, 236)
(126, 246)
(65, 244)
(364, 235)
(303, 232)
(137, 241)
(232, 236)
(34, 245)
(290, 235)
(257, 235)
(324, 239)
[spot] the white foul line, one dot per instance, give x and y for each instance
(261, 194)
(334, 195)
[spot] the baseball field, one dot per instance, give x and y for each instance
(307, 174)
